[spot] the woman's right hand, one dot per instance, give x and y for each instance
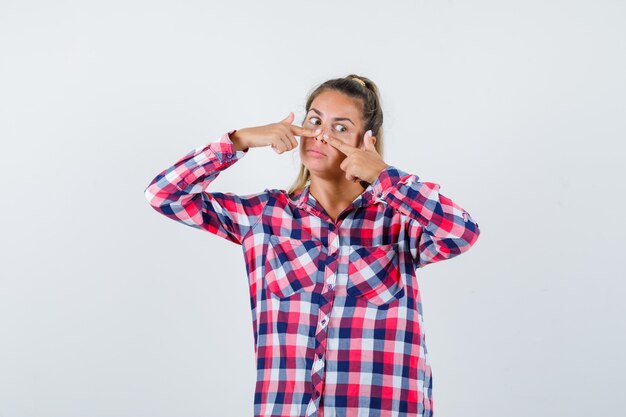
(280, 136)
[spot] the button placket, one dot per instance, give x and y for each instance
(310, 410)
(330, 282)
(333, 253)
(318, 369)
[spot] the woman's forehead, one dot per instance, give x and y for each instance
(336, 104)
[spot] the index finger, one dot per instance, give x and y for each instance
(303, 131)
(346, 148)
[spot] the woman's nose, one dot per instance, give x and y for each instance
(323, 136)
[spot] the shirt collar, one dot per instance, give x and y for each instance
(305, 198)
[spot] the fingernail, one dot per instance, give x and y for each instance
(317, 131)
(369, 132)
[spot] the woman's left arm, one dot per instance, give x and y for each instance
(438, 228)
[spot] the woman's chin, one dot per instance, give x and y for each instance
(316, 168)
(314, 163)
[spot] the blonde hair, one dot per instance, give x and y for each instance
(358, 87)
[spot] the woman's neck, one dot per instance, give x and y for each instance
(334, 196)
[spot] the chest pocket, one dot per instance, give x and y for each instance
(374, 273)
(291, 266)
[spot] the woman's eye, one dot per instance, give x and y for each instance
(339, 128)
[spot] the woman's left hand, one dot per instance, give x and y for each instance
(361, 164)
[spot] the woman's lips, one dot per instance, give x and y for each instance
(314, 152)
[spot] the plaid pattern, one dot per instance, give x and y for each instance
(336, 308)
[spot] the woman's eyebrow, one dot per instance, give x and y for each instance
(336, 118)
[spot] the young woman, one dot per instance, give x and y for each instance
(336, 307)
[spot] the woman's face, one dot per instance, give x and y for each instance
(338, 116)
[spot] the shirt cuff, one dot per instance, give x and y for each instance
(387, 179)
(226, 148)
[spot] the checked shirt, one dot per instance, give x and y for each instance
(336, 308)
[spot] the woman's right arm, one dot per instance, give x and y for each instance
(178, 192)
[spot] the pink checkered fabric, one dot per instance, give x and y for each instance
(336, 308)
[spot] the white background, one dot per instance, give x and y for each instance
(517, 110)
